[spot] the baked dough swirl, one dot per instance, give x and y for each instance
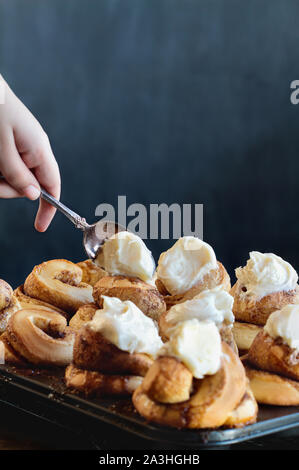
(9, 304)
(145, 296)
(40, 337)
(28, 302)
(100, 368)
(251, 309)
(59, 282)
(91, 273)
(82, 316)
(170, 396)
(214, 278)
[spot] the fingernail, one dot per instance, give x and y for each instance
(32, 192)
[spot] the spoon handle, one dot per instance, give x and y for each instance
(78, 221)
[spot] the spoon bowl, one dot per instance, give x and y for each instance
(95, 235)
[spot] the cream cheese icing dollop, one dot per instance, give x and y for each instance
(197, 344)
(210, 305)
(124, 325)
(185, 263)
(284, 324)
(266, 273)
(126, 254)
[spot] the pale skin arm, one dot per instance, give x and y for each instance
(26, 158)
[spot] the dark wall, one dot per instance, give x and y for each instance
(162, 101)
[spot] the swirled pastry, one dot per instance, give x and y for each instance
(8, 304)
(29, 302)
(59, 282)
(244, 334)
(40, 337)
(93, 351)
(145, 296)
(83, 315)
(169, 395)
(113, 350)
(8, 355)
(272, 361)
(91, 273)
(91, 382)
(267, 283)
(272, 389)
(188, 268)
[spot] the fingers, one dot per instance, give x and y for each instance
(7, 192)
(47, 174)
(26, 158)
(15, 172)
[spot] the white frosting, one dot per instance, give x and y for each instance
(284, 324)
(213, 305)
(197, 344)
(126, 254)
(124, 325)
(266, 273)
(185, 263)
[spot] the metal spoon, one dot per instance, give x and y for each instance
(94, 235)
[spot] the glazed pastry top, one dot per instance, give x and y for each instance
(126, 254)
(266, 273)
(185, 264)
(284, 324)
(197, 344)
(214, 305)
(124, 325)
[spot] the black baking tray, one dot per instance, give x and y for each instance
(43, 394)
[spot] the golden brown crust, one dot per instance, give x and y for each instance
(7, 312)
(83, 315)
(58, 282)
(93, 383)
(92, 351)
(273, 355)
(213, 398)
(248, 308)
(244, 334)
(216, 277)
(272, 389)
(226, 333)
(8, 355)
(245, 413)
(91, 273)
(41, 337)
(168, 381)
(28, 302)
(145, 296)
(6, 293)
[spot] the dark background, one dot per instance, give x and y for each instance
(182, 101)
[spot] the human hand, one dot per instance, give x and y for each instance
(26, 157)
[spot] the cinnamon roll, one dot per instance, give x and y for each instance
(39, 337)
(145, 296)
(267, 283)
(9, 304)
(91, 273)
(272, 362)
(113, 351)
(59, 283)
(188, 268)
(196, 382)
